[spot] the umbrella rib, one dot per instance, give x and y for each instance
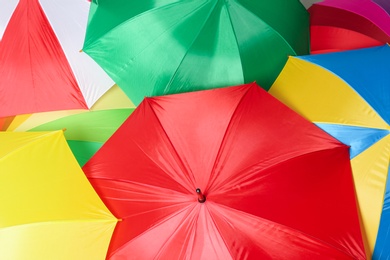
(189, 213)
(223, 141)
(278, 162)
(275, 31)
(219, 230)
(182, 60)
(154, 210)
(282, 230)
(174, 149)
(160, 222)
(127, 20)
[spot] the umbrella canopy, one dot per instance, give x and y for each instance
(86, 130)
(346, 94)
(384, 4)
(337, 25)
(49, 210)
(41, 66)
(162, 47)
(245, 177)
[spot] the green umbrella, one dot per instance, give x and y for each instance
(152, 48)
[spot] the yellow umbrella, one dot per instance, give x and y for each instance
(49, 210)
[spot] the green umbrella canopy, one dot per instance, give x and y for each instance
(152, 48)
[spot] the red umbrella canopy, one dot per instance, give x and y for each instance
(272, 184)
(41, 66)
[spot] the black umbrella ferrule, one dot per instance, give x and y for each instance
(201, 196)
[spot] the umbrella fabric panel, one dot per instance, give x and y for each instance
(147, 173)
(62, 241)
(381, 248)
(24, 65)
(358, 138)
(284, 188)
(42, 66)
(346, 108)
(182, 46)
(327, 39)
(14, 149)
(370, 175)
(373, 89)
(247, 228)
(49, 209)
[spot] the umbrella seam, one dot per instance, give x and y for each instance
(125, 21)
(173, 147)
(296, 230)
(279, 162)
(217, 157)
(151, 227)
(275, 31)
(192, 43)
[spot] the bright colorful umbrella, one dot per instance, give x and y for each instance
(337, 25)
(41, 66)
(347, 95)
(271, 184)
(154, 48)
(49, 210)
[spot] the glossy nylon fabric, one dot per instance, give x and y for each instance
(41, 66)
(275, 184)
(152, 48)
(345, 93)
(337, 25)
(49, 210)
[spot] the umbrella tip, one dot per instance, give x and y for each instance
(81, 50)
(201, 196)
(64, 129)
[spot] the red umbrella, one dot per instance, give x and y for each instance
(228, 173)
(41, 66)
(337, 25)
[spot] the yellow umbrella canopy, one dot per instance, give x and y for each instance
(49, 210)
